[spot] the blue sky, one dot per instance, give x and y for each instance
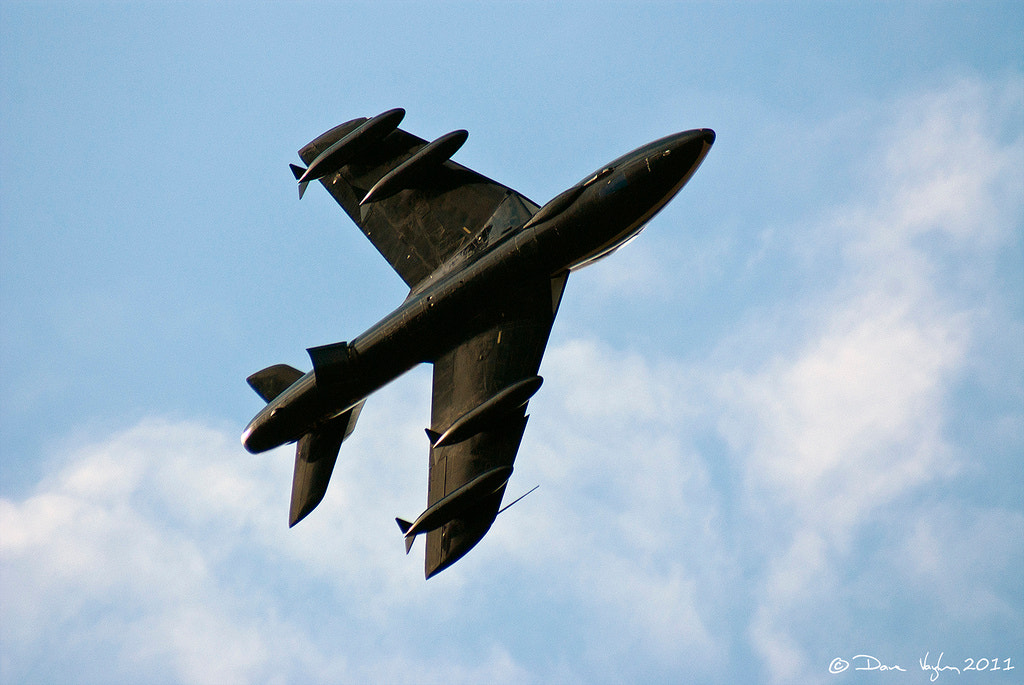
(782, 427)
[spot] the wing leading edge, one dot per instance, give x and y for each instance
(472, 385)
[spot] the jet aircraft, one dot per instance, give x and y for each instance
(486, 269)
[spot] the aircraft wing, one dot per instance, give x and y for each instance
(506, 350)
(435, 216)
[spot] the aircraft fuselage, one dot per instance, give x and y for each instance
(577, 227)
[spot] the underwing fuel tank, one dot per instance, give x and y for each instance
(337, 155)
(420, 164)
(475, 420)
(449, 507)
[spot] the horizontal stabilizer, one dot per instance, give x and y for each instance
(315, 456)
(273, 380)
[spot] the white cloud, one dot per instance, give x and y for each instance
(856, 418)
(116, 550)
(162, 553)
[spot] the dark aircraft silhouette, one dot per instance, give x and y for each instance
(486, 268)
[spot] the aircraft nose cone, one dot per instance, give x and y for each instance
(687, 152)
(694, 144)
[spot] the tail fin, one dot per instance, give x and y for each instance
(331, 363)
(299, 172)
(405, 526)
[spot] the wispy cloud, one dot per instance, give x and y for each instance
(805, 472)
(850, 429)
(115, 558)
